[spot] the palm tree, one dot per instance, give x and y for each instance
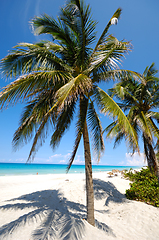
(139, 98)
(58, 78)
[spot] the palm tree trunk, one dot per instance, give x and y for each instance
(151, 156)
(157, 169)
(150, 160)
(89, 179)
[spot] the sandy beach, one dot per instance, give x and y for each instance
(53, 207)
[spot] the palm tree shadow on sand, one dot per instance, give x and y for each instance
(60, 218)
(108, 191)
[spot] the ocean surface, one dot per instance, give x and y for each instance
(33, 169)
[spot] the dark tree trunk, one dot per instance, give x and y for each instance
(89, 179)
(151, 156)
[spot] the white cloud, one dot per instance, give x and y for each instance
(20, 160)
(37, 8)
(53, 159)
(78, 160)
(56, 156)
(62, 161)
(59, 158)
(135, 159)
(122, 163)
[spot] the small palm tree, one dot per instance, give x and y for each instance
(139, 98)
(60, 77)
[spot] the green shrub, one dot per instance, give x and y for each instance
(145, 187)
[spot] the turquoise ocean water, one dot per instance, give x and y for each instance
(27, 169)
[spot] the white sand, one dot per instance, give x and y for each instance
(53, 207)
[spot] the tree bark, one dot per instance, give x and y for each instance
(157, 169)
(89, 179)
(151, 156)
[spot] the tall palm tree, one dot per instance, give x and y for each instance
(139, 98)
(59, 77)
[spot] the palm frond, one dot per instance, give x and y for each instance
(109, 128)
(115, 131)
(150, 71)
(122, 92)
(109, 56)
(39, 138)
(23, 87)
(143, 121)
(48, 25)
(77, 16)
(108, 106)
(115, 75)
(112, 129)
(78, 85)
(95, 127)
(63, 94)
(31, 118)
(28, 125)
(61, 32)
(153, 127)
(79, 128)
(27, 57)
(63, 122)
(104, 34)
(41, 133)
(118, 138)
(154, 115)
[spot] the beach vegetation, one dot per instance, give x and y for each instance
(144, 186)
(58, 79)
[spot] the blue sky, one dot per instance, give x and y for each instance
(139, 23)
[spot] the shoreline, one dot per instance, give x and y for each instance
(28, 202)
(20, 169)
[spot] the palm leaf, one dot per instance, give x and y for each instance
(77, 16)
(122, 92)
(79, 128)
(63, 94)
(62, 123)
(95, 127)
(115, 131)
(153, 127)
(144, 124)
(150, 71)
(116, 74)
(48, 25)
(27, 127)
(110, 107)
(82, 25)
(27, 57)
(109, 55)
(104, 34)
(31, 118)
(78, 85)
(60, 32)
(153, 114)
(41, 133)
(28, 84)
(119, 137)
(40, 137)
